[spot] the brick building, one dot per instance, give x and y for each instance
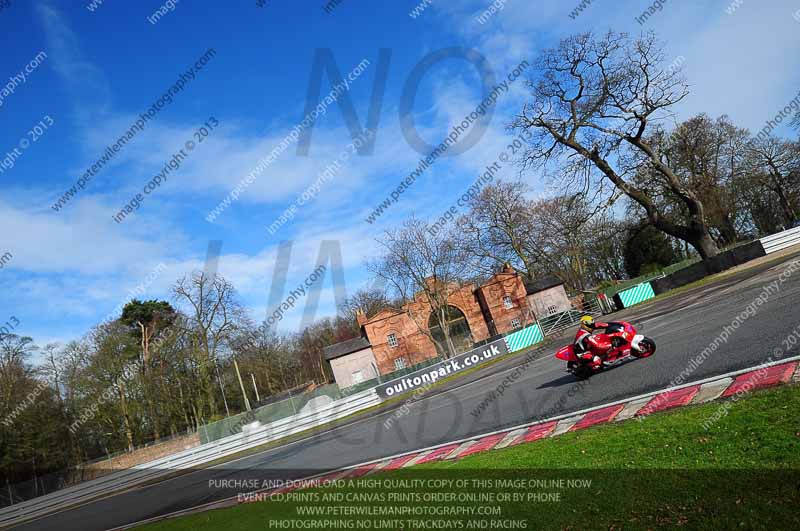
(395, 339)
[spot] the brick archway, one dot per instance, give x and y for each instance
(460, 331)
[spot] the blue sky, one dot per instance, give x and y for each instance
(103, 68)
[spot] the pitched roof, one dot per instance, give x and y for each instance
(542, 283)
(344, 348)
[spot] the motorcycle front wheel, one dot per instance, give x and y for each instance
(648, 348)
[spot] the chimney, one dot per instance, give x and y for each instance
(361, 317)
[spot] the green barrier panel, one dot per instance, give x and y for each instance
(524, 338)
(637, 294)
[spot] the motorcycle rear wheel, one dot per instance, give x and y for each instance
(582, 371)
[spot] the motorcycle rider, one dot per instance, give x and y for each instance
(586, 346)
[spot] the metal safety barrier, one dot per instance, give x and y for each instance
(781, 240)
(252, 437)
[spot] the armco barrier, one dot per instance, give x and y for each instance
(781, 240)
(734, 257)
(723, 261)
(37, 507)
(680, 278)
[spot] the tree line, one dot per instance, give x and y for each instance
(160, 369)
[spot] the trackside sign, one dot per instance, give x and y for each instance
(429, 375)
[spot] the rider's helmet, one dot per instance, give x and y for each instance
(587, 323)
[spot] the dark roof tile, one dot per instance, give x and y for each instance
(344, 348)
(542, 283)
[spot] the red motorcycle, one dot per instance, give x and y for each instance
(617, 341)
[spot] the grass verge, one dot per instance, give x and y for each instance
(664, 472)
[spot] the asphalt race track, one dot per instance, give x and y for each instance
(682, 325)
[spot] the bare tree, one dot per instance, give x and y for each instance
(706, 154)
(53, 367)
(775, 164)
(422, 266)
(263, 354)
(566, 232)
(213, 314)
(594, 104)
(607, 248)
(563, 235)
(500, 228)
(367, 301)
(15, 352)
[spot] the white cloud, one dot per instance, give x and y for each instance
(86, 82)
(82, 239)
